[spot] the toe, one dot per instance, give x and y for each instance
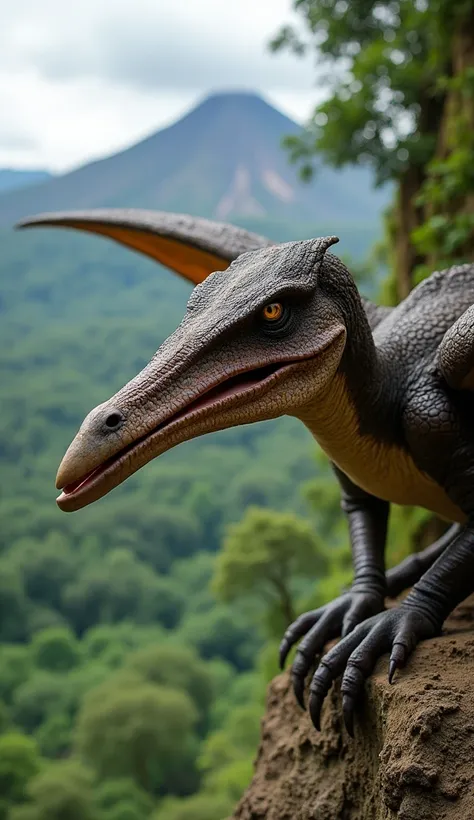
(363, 607)
(320, 686)
(296, 631)
(310, 648)
(360, 665)
(331, 666)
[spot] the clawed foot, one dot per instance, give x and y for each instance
(323, 625)
(397, 630)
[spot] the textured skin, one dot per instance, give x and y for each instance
(409, 571)
(456, 352)
(385, 392)
(437, 422)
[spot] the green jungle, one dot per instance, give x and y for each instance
(138, 636)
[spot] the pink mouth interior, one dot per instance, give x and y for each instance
(230, 387)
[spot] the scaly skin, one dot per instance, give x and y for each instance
(386, 393)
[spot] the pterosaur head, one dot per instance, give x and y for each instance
(259, 339)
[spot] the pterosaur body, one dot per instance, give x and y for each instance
(274, 330)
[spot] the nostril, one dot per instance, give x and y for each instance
(114, 421)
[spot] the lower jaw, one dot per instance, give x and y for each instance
(71, 502)
(176, 434)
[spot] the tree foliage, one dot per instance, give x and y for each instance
(19, 762)
(263, 554)
(63, 789)
(399, 77)
(142, 731)
(55, 649)
(177, 667)
(115, 798)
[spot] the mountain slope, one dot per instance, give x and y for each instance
(11, 178)
(223, 159)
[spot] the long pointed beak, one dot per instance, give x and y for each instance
(98, 460)
(165, 406)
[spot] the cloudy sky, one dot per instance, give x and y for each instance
(81, 80)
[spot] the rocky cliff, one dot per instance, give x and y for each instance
(413, 753)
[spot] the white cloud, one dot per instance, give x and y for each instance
(78, 81)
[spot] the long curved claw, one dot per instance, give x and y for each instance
(320, 686)
(311, 647)
(315, 706)
(348, 706)
(295, 631)
(397, 659)
(392, 668)
(298, 689)
(351, 688)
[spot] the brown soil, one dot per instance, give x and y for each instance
(413, 753)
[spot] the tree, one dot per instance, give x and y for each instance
(19, 762)
(227, 754)
(55, 649)
(54, 736)
(255, 487)
(174, 533)
(117, 799)
(119, 588)
(193, 575)
(262, 557)
(14, 607)
(109, 643)
(155, 533)
(400, 80)
(43, 617)
(177, 667)
(37, 698)
(143, 731)
(217, 633)
(15, 667)
(63, 790)
(46, 566)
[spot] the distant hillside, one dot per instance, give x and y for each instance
(11, 179)
(224, 159)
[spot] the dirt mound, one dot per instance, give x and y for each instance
(413, 753)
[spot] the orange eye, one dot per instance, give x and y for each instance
(272, 312)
